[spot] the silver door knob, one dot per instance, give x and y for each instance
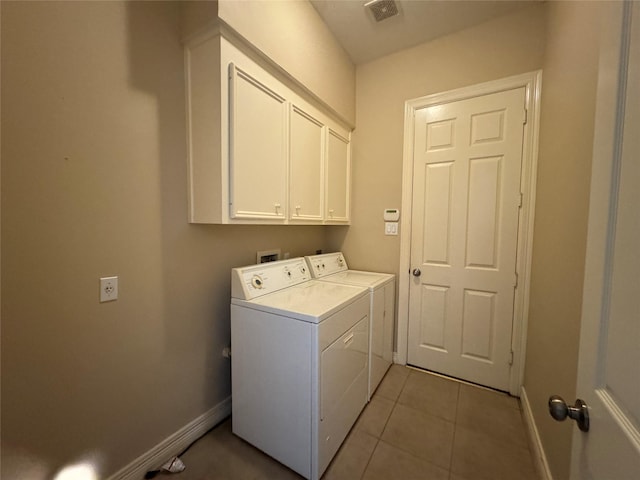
(559, 410)
(416, 272)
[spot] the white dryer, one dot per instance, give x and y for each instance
(332, 267)
(299, 362)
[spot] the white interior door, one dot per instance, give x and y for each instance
(464, 234)
(609, 365)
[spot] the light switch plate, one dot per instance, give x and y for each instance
(391, 228)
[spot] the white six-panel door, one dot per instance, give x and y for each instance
(464, 226)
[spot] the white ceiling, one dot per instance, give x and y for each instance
(419, 21)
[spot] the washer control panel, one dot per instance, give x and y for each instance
(326, 264)
(257, 280)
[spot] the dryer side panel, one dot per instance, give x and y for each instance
(271, 374)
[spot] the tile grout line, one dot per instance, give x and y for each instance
(396, 403)
(379, 439)
(455, 429)
(364, 471)
(454, 422)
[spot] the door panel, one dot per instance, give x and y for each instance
(609, 360)
(467, 162)
(437, 215)
(478, 324)
(483, 207)
(434, 306)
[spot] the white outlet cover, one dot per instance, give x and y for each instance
(108, 289)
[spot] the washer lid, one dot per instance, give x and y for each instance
(311, 301)
(355, 277)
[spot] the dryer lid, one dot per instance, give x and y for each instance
(356, 277)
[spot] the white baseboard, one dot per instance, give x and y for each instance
(539, 457)
(396, 359)
(175, 443)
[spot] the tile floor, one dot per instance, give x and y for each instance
(417, 426)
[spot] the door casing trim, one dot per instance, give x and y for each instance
(532, 82)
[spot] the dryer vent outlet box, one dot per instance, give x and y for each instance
(268, 256)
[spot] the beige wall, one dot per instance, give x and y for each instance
(506, 46)
(198, 16)
(564, 167)
(293, 35)
(94, 184)
(561, 38)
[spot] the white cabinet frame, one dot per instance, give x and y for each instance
(213, 64)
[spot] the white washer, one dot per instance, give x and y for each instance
(299, 366)
(332, 267)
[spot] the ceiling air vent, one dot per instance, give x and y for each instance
(382, 9)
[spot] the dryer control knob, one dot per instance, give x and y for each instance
(257, 282)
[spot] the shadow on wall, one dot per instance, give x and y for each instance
(193, 262)
(94, 152)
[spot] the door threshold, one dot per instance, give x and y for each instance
(459, 380)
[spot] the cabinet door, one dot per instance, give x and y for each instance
(338, 178)
(257, 149)
(306, 167)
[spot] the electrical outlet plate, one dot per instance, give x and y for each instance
(108, 289)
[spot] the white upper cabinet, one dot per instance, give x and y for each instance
(259, 151)
(338, 178)
(306, 166)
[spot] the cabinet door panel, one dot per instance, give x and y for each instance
(338, 178)
(257, 149)
(306, 154)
